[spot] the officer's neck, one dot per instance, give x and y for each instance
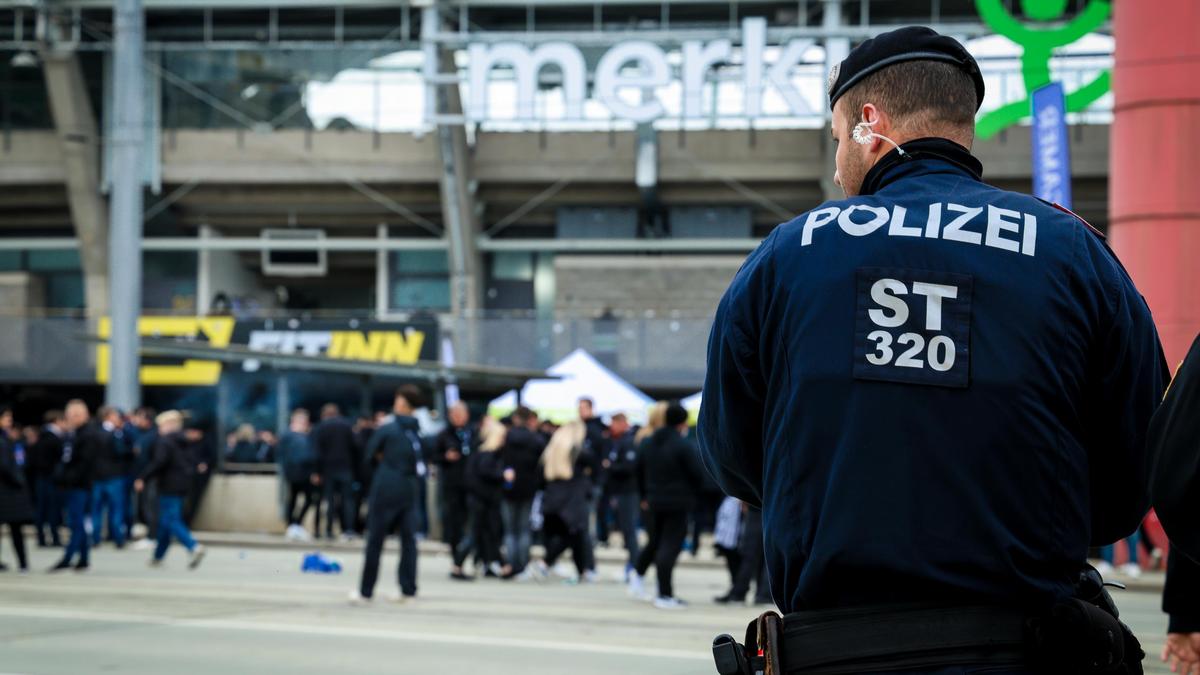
(890, 166)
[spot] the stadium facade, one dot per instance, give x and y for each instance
(501, 182)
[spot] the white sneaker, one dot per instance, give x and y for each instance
(669, 603)
(396, 597)
(637, 587)
(496, 569)
(562, 570)
(144, 544)
(197, 556)
(590, 577)
(295, 533)
(357, 600)
(1131, 570)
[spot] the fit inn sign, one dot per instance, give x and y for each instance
(613, 78)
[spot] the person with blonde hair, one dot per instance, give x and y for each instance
(655, 420)
(173, 466)
(566, 465)
(484, 479)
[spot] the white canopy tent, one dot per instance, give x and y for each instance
(692, 405)
(581, 376)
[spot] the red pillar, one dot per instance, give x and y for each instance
(1154, 181)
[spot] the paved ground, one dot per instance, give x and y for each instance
(251, 610)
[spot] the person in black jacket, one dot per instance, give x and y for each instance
(451, 450)
(396, 452)
(336, 450)
(620, 462)
(565, 499)
(522, 449)
(670, 473)
(112, 461)
(174, 466)
(42, 459)
(1174, 475)
(484, 479)
(15, 507)
(74, 477)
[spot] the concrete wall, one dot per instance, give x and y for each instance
(241, 503)
(690, 285)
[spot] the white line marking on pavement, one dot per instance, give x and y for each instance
(336, 631)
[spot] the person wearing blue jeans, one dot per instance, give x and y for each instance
(109, 494)
(170, 524)
(74, 476)
(109, 466)
(173, 467)
(80, 543)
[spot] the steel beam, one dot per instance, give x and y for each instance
(125, 213)
(80, 141)
(458, 202)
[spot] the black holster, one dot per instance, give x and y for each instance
(760, 654)
(1084, 634)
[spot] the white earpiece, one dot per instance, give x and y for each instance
(862, 134)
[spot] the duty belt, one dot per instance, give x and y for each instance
(876, 638)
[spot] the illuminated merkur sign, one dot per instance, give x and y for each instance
(614, 76)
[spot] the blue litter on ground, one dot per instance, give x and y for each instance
(319, 563)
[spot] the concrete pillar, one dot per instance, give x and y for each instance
(1155, 207)
(125, 213)
(836, 49)
(75, 124)
(458, 199)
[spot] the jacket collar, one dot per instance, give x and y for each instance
(922, 156)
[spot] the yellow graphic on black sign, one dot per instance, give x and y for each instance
(216, 332)
(378, 346)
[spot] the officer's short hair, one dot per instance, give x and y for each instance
(922, 96)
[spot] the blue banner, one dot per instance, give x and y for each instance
(1051, 150)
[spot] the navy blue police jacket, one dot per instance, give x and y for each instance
(936, 390)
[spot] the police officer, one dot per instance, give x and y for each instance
(396, 452)
(936, 390)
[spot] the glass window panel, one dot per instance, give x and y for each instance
(513, 266)
(421, 294)
(53, 261)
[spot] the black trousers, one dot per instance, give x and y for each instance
(339, 487)
(455, 514)
(559, 538)
(384, 519)
(48, 510)
(297, 489)
(485, 532)
(18, 542)
(668, 529)
(752, 566)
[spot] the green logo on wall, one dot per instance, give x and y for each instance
(1039, 43)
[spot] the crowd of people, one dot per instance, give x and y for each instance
(98, 477)
(503, 485)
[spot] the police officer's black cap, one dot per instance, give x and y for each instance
(912, 43)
